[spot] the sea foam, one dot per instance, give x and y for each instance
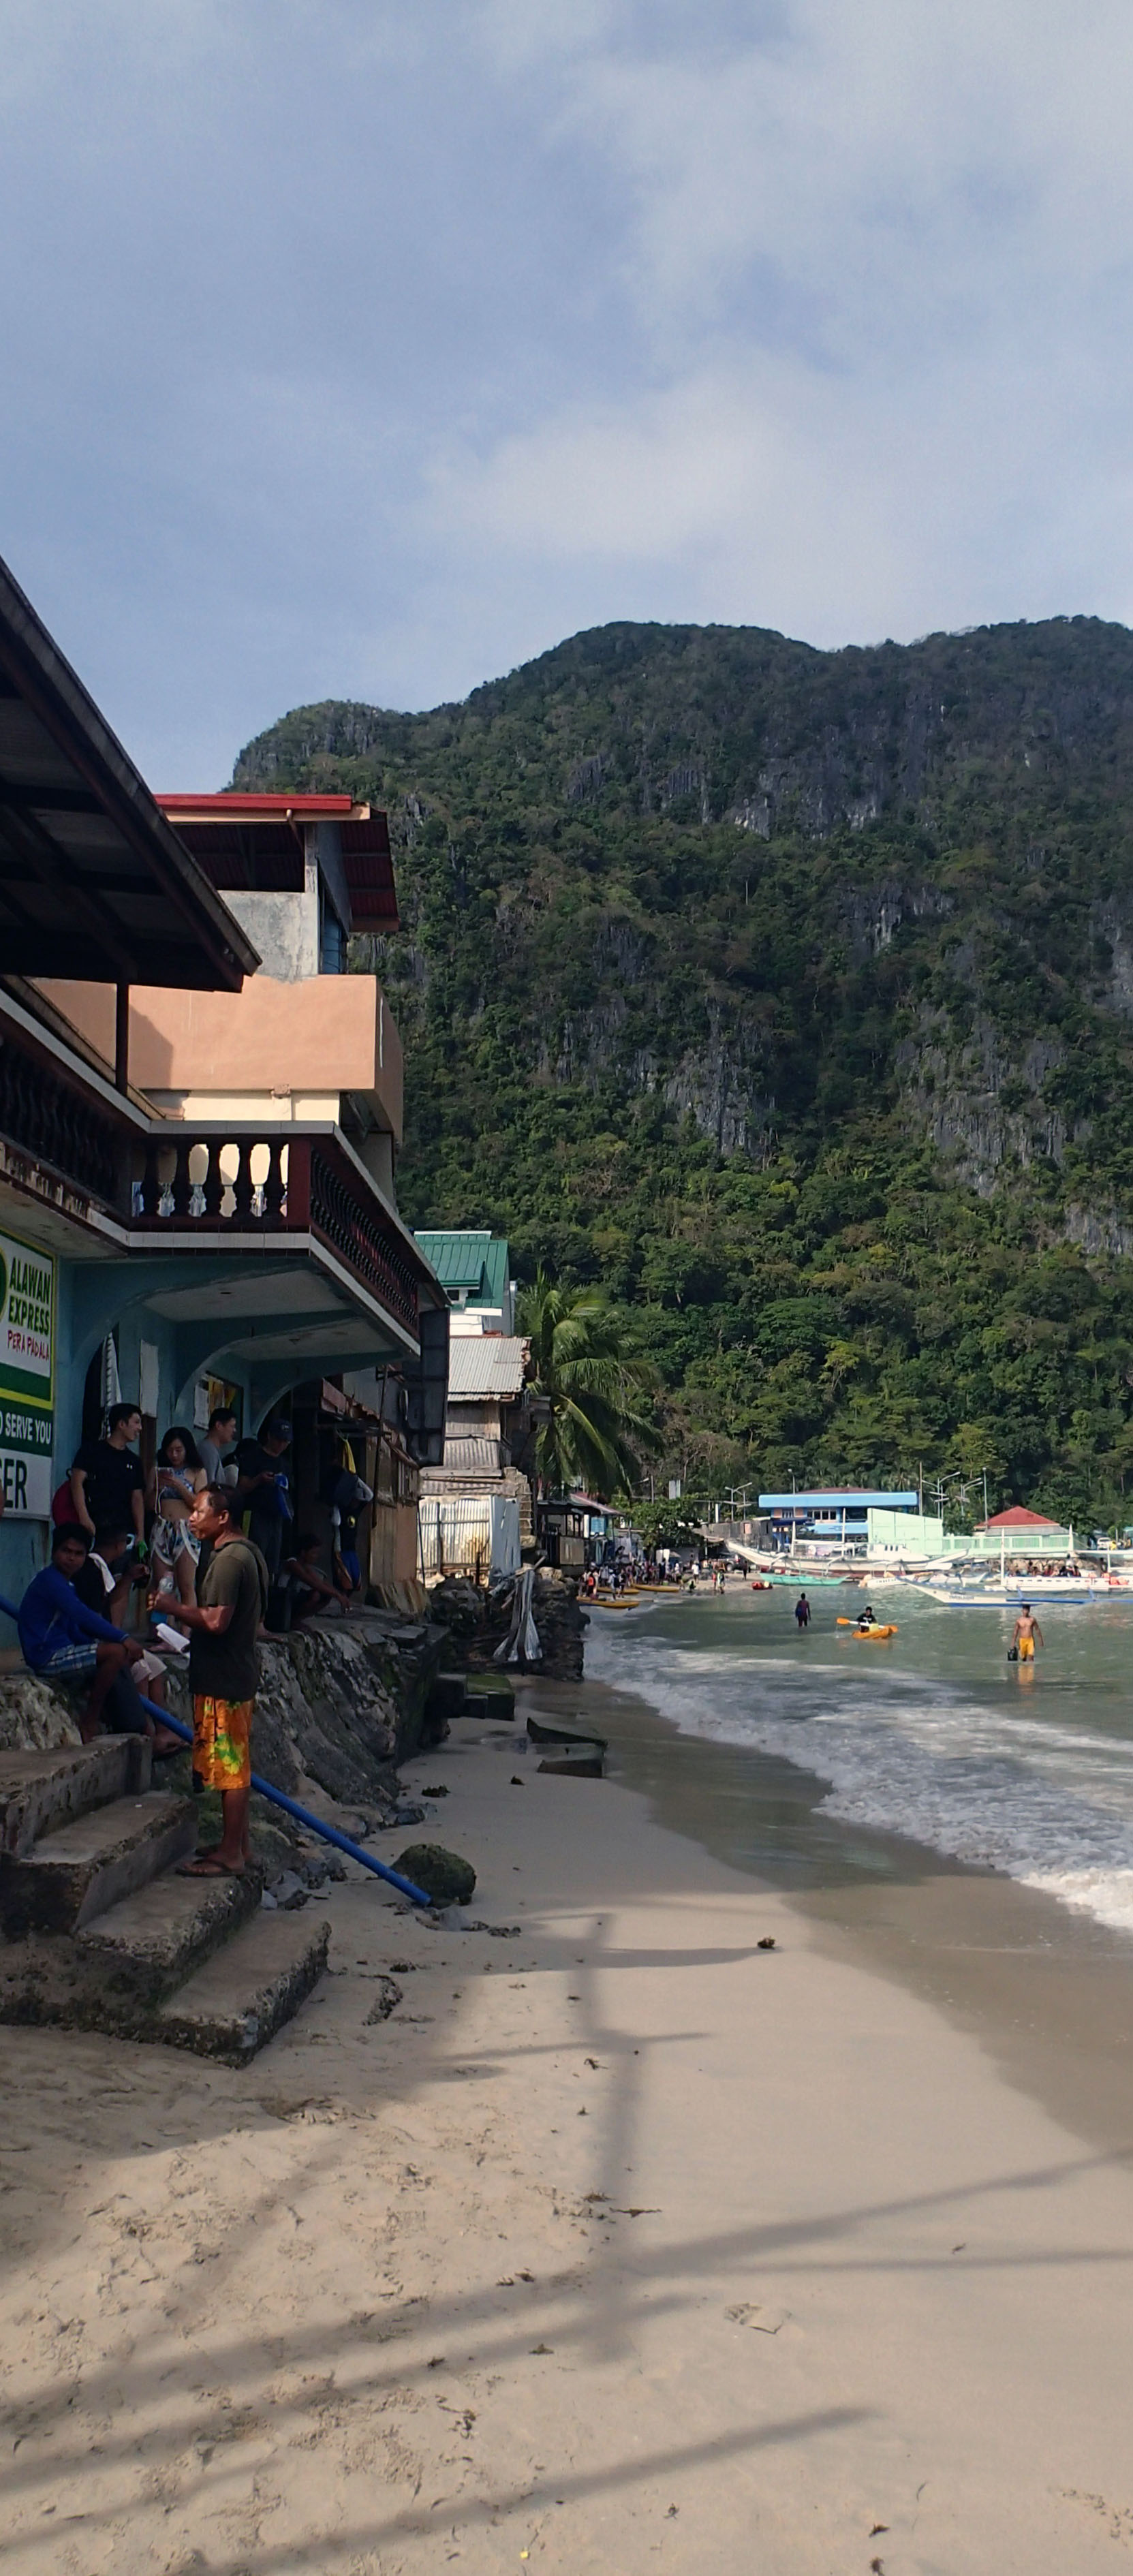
(1050, 1805)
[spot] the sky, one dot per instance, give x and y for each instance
(366, 348)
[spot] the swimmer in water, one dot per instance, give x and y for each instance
(1028, 1634)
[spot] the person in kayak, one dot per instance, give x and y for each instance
(802, 1612)
(867, 1618)
(1028, 1635)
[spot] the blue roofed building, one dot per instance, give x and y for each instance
(843, 1519)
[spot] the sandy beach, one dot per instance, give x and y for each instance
(621, 2243)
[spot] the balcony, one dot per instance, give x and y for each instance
(204, 1056)
(270, 1187)
(65, 1135)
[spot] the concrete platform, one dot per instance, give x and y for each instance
(89, 1864)
(39, 1792)
(243, 1995)
(488, 1695)
(153, 1940)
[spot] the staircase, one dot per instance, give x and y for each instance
(98, 1933)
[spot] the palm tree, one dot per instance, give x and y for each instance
(593, 1393)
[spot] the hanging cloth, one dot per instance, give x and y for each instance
(521, 1644)
(111, 1382)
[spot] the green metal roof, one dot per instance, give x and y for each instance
(476, 1264)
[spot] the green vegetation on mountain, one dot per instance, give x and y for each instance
(787, 996)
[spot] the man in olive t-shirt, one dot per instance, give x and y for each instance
(223, 1624)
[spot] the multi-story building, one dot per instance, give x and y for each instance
(474, 1269)
(197, 1148)
(476, 1502)
(836, 1519)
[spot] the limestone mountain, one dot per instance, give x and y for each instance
(790, 994)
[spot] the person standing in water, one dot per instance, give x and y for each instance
(802, 1613)
(1028, 1635)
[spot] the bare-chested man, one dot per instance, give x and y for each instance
(1028, 1634)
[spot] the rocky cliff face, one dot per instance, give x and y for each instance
(678, 837)
(718, 950)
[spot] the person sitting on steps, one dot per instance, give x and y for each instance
(310, 1590)
(64, 1641)
(105, 1583)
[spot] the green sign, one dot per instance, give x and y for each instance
(27, 1378)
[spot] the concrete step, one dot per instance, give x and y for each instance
(41, 1791)
(447, 1694)
(148, 1944)
(488, 1695)
(245, 1993)
(89, 1864)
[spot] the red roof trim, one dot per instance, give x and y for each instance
(226, 803)
(1019, 1518)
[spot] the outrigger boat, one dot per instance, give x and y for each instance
(1069, 1595)
(802, 1580)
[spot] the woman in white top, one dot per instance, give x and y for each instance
(178, 1478)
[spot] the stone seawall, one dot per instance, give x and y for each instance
(477, 1622)
(340, 1704)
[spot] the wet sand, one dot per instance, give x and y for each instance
(621, 2244)
(1048, 1991)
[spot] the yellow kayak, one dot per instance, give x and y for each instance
(876, 1631)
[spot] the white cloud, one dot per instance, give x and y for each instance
(875, 255)
(355, 345)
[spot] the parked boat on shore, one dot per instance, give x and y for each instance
(1070, 1593)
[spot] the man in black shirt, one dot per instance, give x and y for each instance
(223, 1624)
(261, 1485)
(107, 1485)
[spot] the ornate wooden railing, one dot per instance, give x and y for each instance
(238, 1181)
(58, 1125)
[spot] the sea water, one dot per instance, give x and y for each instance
(933, 1734)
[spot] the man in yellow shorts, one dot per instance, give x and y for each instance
(1028, 1635)
(223, 1623)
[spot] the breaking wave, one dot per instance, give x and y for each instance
(909, 1752)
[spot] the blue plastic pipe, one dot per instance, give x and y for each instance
(302, 1815)
(290, 1806)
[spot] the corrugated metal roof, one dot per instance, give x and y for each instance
(484, 1364)
(469, 1261)
(473, 1457)
(458, 1259)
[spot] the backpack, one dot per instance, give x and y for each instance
(63, 1511)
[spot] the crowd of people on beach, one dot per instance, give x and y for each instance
(623, 1573)
(198, 1560)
